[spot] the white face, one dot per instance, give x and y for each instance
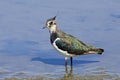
(51, 25)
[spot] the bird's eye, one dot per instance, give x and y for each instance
(51, 23)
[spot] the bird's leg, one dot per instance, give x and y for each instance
(66, 63)
(71, 60)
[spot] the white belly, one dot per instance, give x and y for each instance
(64, 53)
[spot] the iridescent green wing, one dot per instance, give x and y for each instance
(72, 45)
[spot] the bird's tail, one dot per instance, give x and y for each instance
(98, 50)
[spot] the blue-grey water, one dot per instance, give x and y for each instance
(25, 48)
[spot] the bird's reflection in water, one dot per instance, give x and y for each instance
(68, 73)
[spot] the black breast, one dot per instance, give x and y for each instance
(53, 37)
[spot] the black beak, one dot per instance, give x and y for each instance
(44, 27)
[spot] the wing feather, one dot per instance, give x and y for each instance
(72, 45)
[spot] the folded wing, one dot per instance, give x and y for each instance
(74, 46)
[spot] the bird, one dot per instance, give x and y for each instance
(66, 44)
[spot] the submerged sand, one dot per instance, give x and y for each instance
(69, 76)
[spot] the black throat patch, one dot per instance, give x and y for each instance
(53, 36)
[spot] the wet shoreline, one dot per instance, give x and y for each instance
(68, 77)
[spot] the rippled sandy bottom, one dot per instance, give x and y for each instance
(68, 76)
(87, 77)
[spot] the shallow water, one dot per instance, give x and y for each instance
(25, 49)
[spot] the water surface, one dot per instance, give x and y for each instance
(25, 49)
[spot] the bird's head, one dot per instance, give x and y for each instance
(51, 24)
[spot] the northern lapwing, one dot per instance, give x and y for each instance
(68, 45)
